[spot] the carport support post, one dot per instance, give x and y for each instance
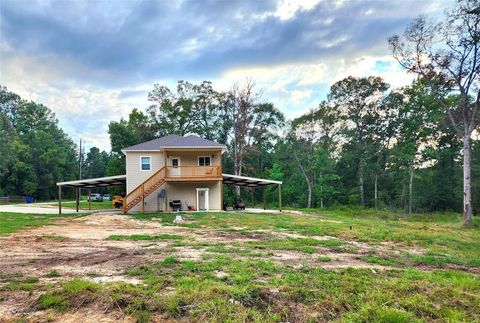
(78, 198)
(264, 198)
(89, 200)
(59, 199)
(253, 198)
(280, 197)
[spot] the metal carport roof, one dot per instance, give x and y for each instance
(96, 182)
(248, 181)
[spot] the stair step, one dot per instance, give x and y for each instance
(147, 192)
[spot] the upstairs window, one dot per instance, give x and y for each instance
(204, 161)
(145, 163)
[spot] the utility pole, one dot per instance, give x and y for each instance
(80, 157)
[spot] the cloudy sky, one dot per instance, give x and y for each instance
(93, 61)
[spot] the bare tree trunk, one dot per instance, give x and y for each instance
(410, 191)
(467, 182)
(376, 190)
(309, 184)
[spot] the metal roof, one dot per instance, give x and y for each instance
(96, 182)
(122, 179)
(247, 181)
(175, 141)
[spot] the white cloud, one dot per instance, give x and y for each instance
(288, 8)
(83, 110)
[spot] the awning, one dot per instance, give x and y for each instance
(96, 182)
(248, 181)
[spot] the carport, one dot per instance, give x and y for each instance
(253, 182)
(89, 184)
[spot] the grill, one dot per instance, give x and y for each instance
(176, 205)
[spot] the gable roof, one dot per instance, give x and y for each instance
(174, 141)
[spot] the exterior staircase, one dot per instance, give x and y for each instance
(143, 190)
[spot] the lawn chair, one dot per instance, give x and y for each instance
(189, 207)
(239, 205)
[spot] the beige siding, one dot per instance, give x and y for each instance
(188, 192)
(190, 158)
(183, 192)
(175, 191)
(136, 176)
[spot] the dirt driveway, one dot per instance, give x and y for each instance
(35, 208)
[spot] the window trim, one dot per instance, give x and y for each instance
(149, 164)
(178, 159)
(209, 157)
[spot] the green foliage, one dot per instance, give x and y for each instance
(36, 153)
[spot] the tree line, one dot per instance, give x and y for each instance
(367, 144)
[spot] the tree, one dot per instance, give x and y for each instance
(247, 123)
(417, 122)
(95, 165)
(356, 99)
(125, 133)
(193, 109)
(38, 152)
(381, 122)
(312, 143)
(448, 54)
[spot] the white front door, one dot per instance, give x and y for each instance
(202, 199)
(175, 163)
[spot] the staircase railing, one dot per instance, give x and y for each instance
(144, 189)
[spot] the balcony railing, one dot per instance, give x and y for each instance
(184, 172)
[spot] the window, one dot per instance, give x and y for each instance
(175, 162)
(204, 161)
(145, 163)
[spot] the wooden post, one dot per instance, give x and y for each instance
(78, 199)
(143, 198)
(59, 199)
(280, 197)
(253, 199)
(89, 200)
(264, 197)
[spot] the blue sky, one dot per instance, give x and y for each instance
(93, 61)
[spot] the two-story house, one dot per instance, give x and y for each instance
(173, 173)
(174, 168)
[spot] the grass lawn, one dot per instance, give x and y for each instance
(104, 205)
(13, 222)
(404, 269)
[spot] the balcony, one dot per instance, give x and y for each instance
(192, 173)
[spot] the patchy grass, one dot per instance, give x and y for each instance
(18, 283)
(259, 291)
(324, 259)
(441, 235)
(236, 275)
(104, 205)
(53, 273)
(13, 222)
